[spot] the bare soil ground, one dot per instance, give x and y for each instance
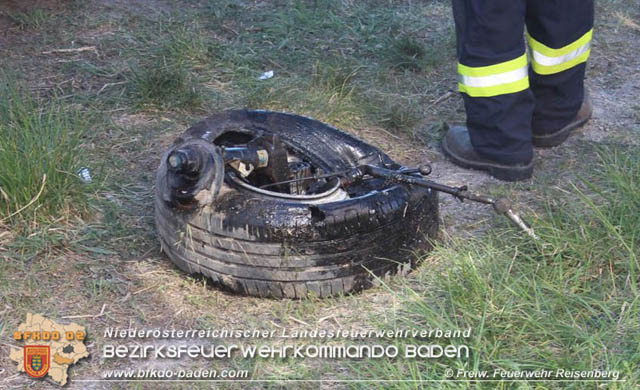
(106, 254)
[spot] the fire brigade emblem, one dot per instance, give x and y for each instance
(36, 360)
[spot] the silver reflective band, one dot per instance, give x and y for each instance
(552, 61)
(495, 79)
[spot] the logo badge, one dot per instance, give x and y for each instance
(36, 360)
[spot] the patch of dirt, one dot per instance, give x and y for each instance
(30, 5)
(147, 8)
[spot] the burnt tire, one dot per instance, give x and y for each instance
(270, 246)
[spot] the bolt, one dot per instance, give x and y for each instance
(425, 169)
(177, 159)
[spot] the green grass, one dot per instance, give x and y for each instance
(343, 65)
(164, 85)
(41, 149)
(396, 115)
(169, 64)
(335, 76)
(407, 53)
(570, 300)
(32, 19)
(185, 42)
(323, 100)
(186, 45)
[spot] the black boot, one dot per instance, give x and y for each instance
(557, 137)
(457, 146)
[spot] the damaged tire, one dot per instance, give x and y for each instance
(261, 242)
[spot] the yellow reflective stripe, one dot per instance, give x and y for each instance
(551, 69)
(549, 52)
(484, 81)
(545, 60)
(496, 79)
(493, 69)
(495, 90)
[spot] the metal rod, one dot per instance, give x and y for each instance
(501, 206)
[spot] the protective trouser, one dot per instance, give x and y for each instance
(506, 96)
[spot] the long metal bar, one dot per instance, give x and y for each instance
(501, 206)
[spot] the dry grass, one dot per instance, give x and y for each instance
(627, 21)
(377, 69)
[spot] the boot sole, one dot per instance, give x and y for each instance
(499, 171)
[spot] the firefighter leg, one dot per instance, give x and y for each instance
(494, 82)
(492, 78)
(559, 36)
